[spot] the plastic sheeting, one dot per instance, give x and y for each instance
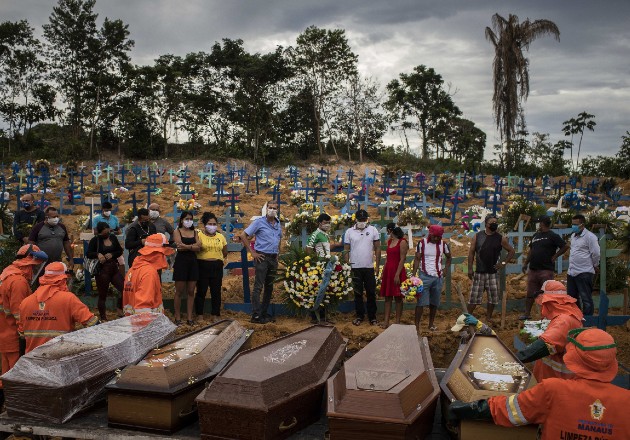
(68, 373)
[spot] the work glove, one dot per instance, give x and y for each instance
(22, 345)
(536, 350)
(470, 319)
(477, 410)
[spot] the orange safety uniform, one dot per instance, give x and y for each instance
(143, 288)
(14, 287)
(52, 310)
(565, 315)
(588, 407)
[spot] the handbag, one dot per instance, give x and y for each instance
(92, 265)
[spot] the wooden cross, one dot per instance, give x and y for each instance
(134, 203)
(220, 183)
(275, 195)
(123, 172)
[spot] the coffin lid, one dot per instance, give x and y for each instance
(278, 370)
(389, 378)
(184, 361)
(482, 368)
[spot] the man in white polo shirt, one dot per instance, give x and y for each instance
(362, 244)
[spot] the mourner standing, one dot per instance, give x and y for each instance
(137, 233)
(268, 232)
(52, 236)
(583, 264)
(211, 260)
(29, 214)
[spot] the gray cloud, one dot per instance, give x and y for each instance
(587, 70)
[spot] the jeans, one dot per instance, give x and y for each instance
(580, 287)
(210, 275)
(364, 278)
(265, 276)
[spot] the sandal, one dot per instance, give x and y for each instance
(373, 322)
(357, 321)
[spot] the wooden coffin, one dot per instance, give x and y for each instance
(274, 390)
(482, 368)
(388, 390)
(158, 393)
(68, 373)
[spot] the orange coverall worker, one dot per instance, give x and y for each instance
(51, 310)
(143, 288)
(14, 287)
(587, 407)
(564, 315)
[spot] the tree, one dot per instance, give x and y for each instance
(322, 60)
(80, 56)
(577, 125)
(511, 67)
(359, 115)
(419, 101)
(25, 97)
(467, 141)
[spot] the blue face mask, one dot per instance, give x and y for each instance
(575, 229)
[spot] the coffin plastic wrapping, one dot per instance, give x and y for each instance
(68, 373)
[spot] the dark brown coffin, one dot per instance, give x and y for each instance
(388, 390)
(274, 390)
(158, 393)
(486, 355)
(68, 374)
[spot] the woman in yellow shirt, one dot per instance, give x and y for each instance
(211, 259)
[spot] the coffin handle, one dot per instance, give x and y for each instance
(184, 413)
(284, 427)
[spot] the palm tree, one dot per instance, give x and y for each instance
(511, 67)
(574, 126)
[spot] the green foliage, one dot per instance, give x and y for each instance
(562, 218)
(602, 217)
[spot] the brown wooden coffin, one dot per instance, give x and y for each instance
(274, 390)
(68, 374)
(158, 393)
(388, 390)
(482, 368)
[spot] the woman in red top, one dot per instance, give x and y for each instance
(394, 271)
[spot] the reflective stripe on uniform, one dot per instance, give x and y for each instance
(43, 333)
(556, 366)
(93, 320)
(514, 411)
(129, 310)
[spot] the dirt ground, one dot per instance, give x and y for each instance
(442, 342)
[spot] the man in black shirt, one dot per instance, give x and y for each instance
(29, 214)
(137, 232)
(546, 246)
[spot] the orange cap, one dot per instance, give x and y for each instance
(554, 287)
(591, 354)
(154, 244)
(54, 273)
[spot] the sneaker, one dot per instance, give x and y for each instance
(269, 318)
(256, 319)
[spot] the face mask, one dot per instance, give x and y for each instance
(26, 205)
(211, 228)
(493, 226)
(271, 212)
(106, 213)
(575, 229)
(361, 225)
(187, 223)
(325, 227)
(53, 221)
(154, 214)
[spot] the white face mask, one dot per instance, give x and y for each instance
(325, 227)
(361, 225)
(211, 228)
(187, 223)
(53, 221)
(154, 214)
(271, 212)
(106, 213)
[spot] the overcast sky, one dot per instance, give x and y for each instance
(588, 70)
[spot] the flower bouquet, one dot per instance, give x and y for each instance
(302, 219)
(43, 166)
(342, 220)
(297, 197)
(339, 200)
(411, 216)
(533, 329)
(411, 288)
(188, 205)
(82, 222)
(304, 275)
(307, 207)
(436, 211)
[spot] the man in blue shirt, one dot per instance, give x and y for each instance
(268, 233)
(583, 264)
(107, 217)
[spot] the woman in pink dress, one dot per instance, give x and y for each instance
(394, 271)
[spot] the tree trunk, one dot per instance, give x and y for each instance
(317, 117)
(164, 130)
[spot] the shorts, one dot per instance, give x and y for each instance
(431, 290)
(186, 267)
(481, 282)
(535, 280)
